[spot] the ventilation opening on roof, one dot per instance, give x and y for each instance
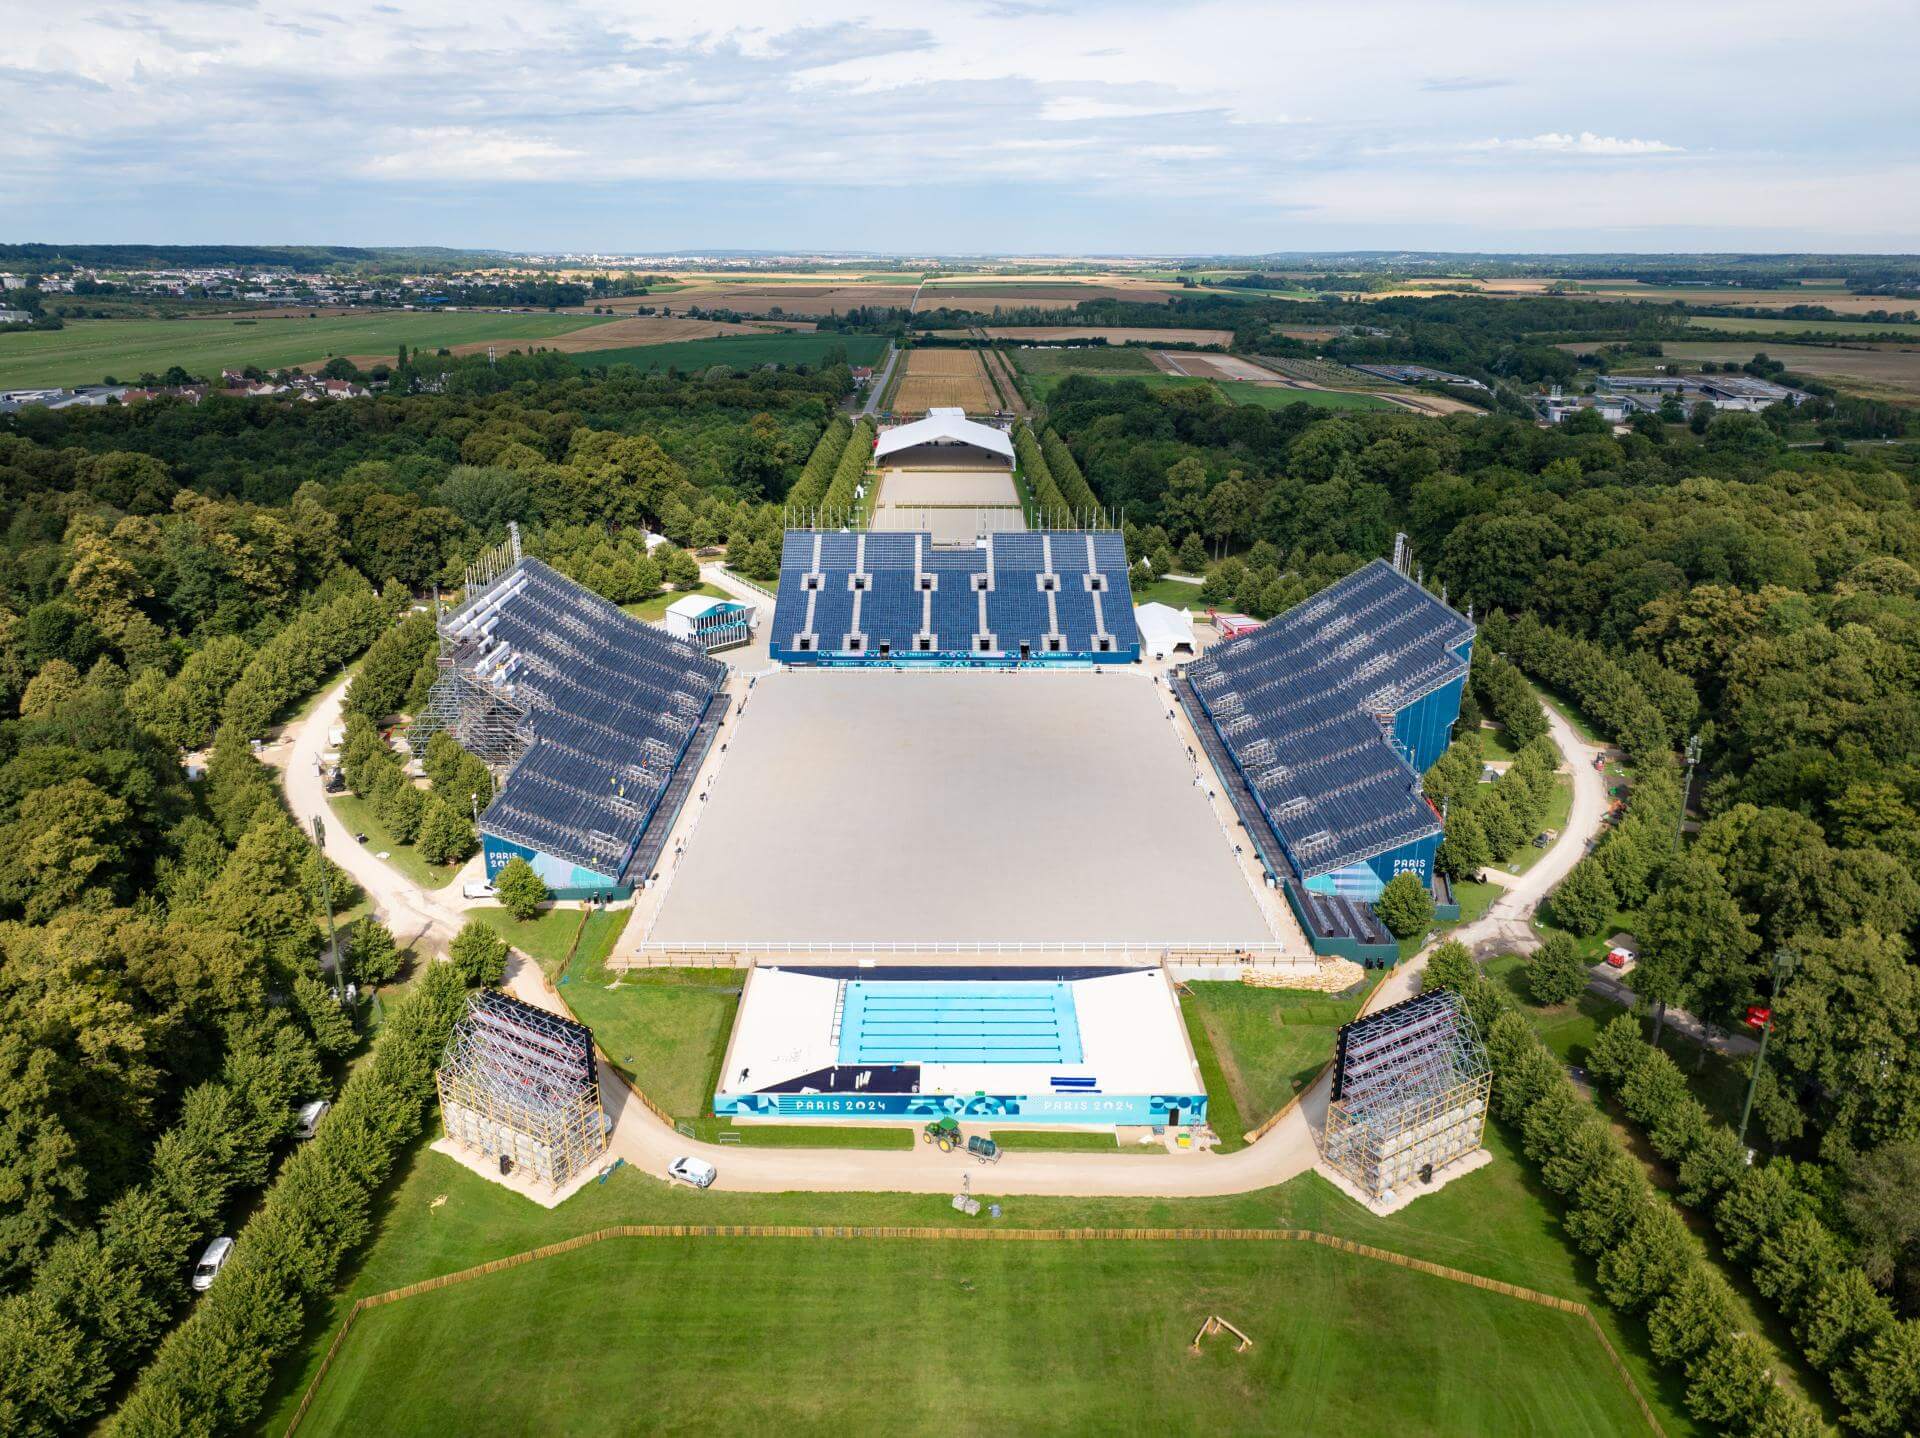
(982, 583)
(814, 580)
(858, 582)
(1055, 644)
(926, 583)
(924, 644)
(1049, 583)
(1097, 583)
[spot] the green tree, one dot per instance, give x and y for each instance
(1555, 974)
(1464, 851)
(520, 890)
(1405, 906)
(1696, 945)
(1584, 899)
(446, 833)
(479, 954)
(1449, 967)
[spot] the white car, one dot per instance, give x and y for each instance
(696, 1171)
(309, 1118)
(208, 1268)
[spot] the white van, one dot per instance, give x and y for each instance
(480, 890)
(211, 1262)
(310, 1116)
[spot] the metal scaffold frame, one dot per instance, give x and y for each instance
(1410, 1093)
(520, 1083)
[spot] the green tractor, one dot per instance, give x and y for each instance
(943, 1134)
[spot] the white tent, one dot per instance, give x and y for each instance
(1163, 629)
(943, 427)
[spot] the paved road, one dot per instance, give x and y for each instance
(1286, 1151)
(878, 386)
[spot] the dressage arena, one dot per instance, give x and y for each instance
(958, 808)
(954, 505)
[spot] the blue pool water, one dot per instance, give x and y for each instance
(982, 1022)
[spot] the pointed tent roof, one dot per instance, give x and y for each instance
(945, 426)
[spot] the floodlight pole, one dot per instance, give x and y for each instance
(1783, 961)
(326, 898)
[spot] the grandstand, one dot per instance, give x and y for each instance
(1321, 722)
(520, 1084)
(862, 598)
(596, 720)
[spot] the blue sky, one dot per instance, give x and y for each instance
(1005, 127)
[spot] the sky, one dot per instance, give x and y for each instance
(991, 127)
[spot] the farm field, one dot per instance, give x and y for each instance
(1279, 396)
(605, 333)
(1116, 335)
(440, 1218)
(87, 351)
(1321, 372)
(1889, 372)
(1044, 384)
(576, 1326)
(1096, 359)
(937, 378)
(1837, 299)
(742, 350)
(808, 295)
(1032, 293)
(1212, 366)
(1830, 329)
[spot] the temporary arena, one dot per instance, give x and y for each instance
(956, 823)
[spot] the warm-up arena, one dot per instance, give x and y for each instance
(958, 808)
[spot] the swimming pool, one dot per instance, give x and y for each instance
(918, 1021)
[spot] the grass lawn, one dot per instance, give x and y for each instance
(87, 351)
(546, 937)
(1242, 391)
(1559, 809)
(1173, 592)
(1045, 384)
(1119, 1317)
(654, 609)
(356, 816)
(1474, 899)
(1269, 1043)
(1093, 359)
(1041, 1141)
(741, 351)
(1494, 745)
(440, 1218)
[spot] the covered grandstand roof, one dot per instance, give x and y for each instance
(1305, 706)
(945, 426)
(602, 707)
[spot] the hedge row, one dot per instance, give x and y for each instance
(1845, 1327)
(1646, 1263)
(101, 1299)
(811, 487)
(212, 1374)
(1612, 696)
(1054, 511)
(385, 676)
(1066, 473)
(292, 664)
(837, 505)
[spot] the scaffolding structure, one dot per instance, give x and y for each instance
(1410, 1091)
(519, 1084)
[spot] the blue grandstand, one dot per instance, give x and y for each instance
(1322, 721)
(863, 598)
(599, 720)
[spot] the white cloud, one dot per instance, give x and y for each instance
(1584, 143)
(449, 152)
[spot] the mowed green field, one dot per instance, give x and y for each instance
(87, 351)
(744, 351)
(797, 1336)
(1829, 329)
(1242, 391)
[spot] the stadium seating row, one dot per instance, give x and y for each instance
(890, 597)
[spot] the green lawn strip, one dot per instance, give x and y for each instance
(1172, 592)
(924, 1336)
(1223, 1110)
(1044, 1141)
(799, 1135)
(546, 937)
(1268, 1043)
(1243, 391)
(1496, 1222)
(87, 351)
(740, 351)
(1045, 384)
(1091, 359)
(1569, 1030)
(357, 816)
(655, 609)
(1494, 744)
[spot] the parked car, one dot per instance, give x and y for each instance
(211, 1262)
(696, 1171)
(310, 1116)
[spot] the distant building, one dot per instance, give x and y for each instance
(1418, 374)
